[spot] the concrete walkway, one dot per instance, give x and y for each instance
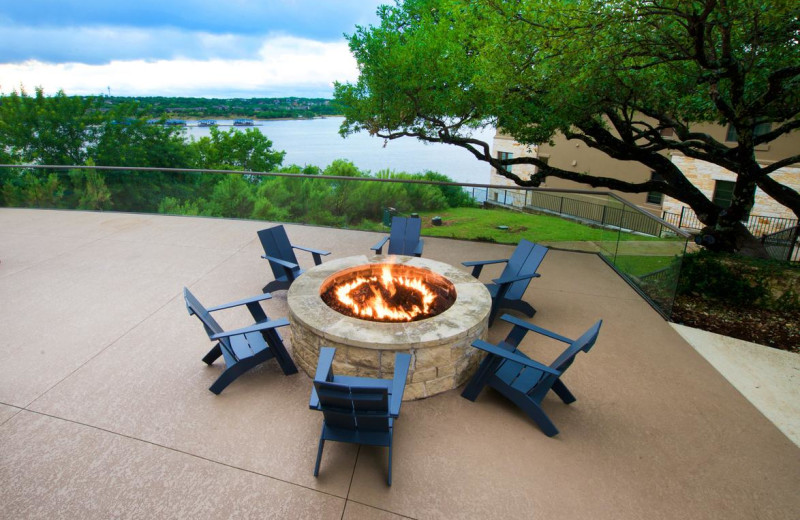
(105, 412)
(769, 378)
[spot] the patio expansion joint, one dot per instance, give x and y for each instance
(40, 262)
(189, 454)
(17, 408)
(132, 327)
(395, 513)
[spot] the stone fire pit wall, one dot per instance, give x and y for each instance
(442, 357)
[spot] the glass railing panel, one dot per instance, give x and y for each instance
(650, 263)
(644, 249)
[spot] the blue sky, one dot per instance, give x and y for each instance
(224, 48)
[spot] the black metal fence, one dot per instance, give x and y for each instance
(783, 245)
(759, 225)
(610, 215)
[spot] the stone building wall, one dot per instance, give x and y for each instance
(705, 175)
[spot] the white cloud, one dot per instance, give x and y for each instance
(286, 66)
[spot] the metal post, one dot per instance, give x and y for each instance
(680, 220)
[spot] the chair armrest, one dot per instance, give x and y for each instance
(512, 356)
(281, 262)
(324, 366)
(512, 279)
(477, 265)
(401, 364)
(379, 246)
(272, 324)
(316, 253)
(544, 332)
(258, 298)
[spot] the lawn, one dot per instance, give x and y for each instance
(484, 225)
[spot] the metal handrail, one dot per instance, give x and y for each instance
(614, 196)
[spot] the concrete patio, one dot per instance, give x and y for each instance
(105, 412)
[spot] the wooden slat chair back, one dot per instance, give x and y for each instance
(244, 348)
(523, 381)
(209, 324)
(359, 410)
(353, 407)
(276, 244)
(282, 260)
(404, 238)
(508, 290)
(525, 260)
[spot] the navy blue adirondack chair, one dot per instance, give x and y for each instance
(508, 289)
(244, 348)
(403, 239)
(522, 380)
(280, 253)
(359, 410)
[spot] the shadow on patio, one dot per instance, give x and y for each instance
(105, 409)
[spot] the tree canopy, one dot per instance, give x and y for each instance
(612, 74)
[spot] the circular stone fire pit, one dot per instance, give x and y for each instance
(441, 355)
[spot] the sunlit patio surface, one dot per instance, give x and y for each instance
(105, 410)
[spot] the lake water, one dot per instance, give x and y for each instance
(317, 142)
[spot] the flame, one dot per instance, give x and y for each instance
(376, 306)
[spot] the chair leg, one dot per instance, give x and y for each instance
(232, 372)
(227, 377)
(532, 409)
(389, 478)
(278, 349)
(536, 413)
(493, 311)
(479, 380)
(319, 453)
(213, 354)
(563, 392)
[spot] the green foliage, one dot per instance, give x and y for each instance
(747, 282)
(32, 189)
(92, 189)
(233, 149)
(232, 197)
(612, 75)
(117, 135)
(47, 130)
(203, 108)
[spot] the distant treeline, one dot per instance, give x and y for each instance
(75, 131)
(203, 108)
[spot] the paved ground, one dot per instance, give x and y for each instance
(105, 412)
(769, 378)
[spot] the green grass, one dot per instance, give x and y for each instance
(482, 224)
(639, 265)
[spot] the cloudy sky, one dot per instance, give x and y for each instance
(206, 48)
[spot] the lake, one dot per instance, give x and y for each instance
(317, 142)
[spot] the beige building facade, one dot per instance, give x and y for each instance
(714, 181)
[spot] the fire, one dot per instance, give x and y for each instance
(374, 297)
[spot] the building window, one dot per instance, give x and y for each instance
(655, 197)
(545, 159)
(504, 156)
(723, 193)
(760, 129)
